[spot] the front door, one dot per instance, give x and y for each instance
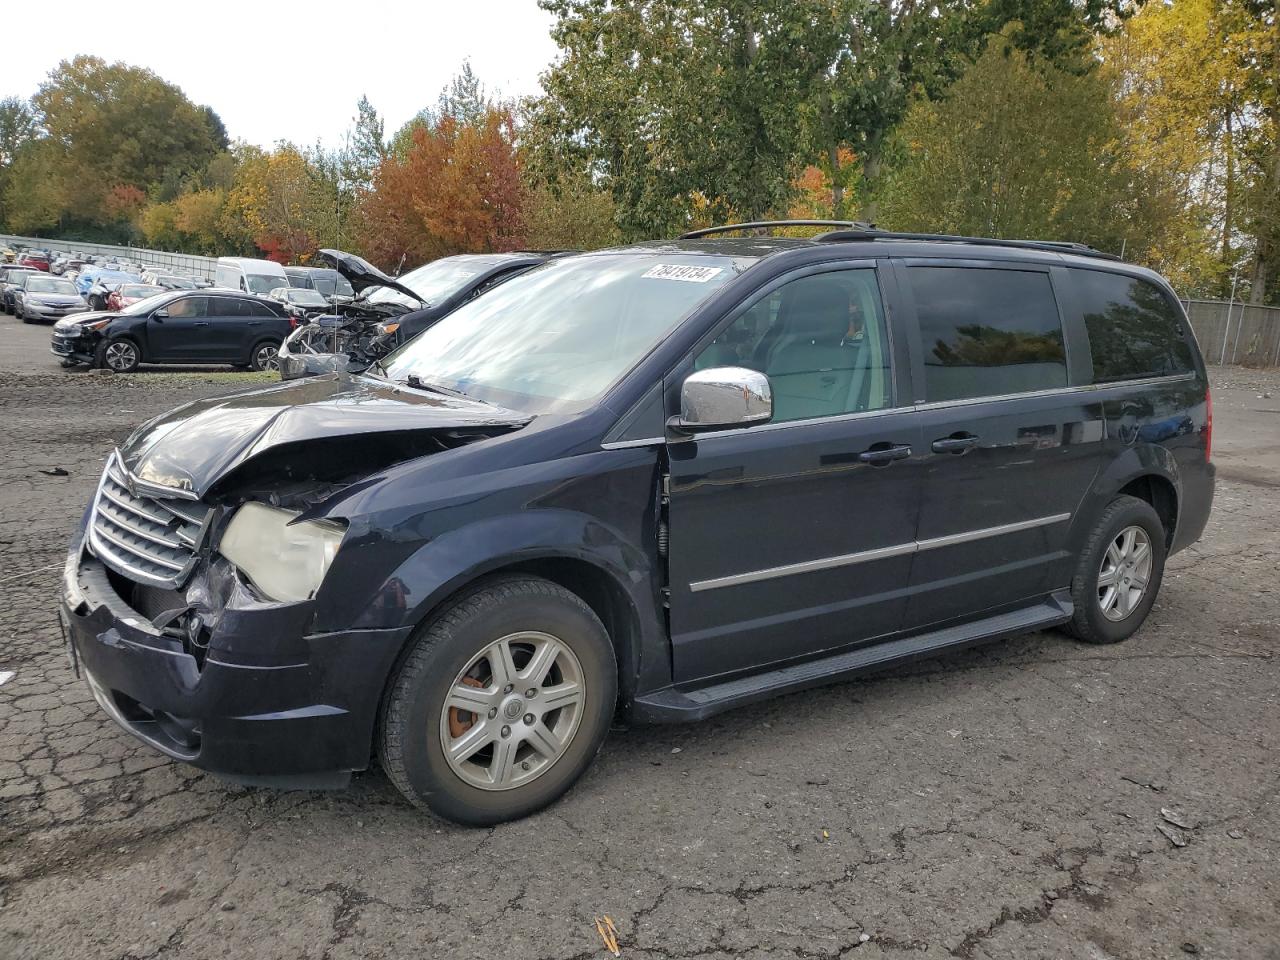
(795, 538)
(179, 335)
(1008, 448)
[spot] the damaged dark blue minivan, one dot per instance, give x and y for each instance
(656, 482)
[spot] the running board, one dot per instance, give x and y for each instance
(670, 705)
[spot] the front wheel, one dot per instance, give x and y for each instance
(119, 356)
(501, 702)
(1118, 573)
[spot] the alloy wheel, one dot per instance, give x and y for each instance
(267, 357)
(512, 711)
(1124, 573)
(121, 356)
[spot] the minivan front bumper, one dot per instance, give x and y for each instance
(288, 709)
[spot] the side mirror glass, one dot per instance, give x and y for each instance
(722, 398)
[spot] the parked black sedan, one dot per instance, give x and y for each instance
(206, 326)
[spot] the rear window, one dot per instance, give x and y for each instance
(1134, 331)
(987, 332)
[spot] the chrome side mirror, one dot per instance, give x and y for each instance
(722, 398)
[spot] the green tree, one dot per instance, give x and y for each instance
(119, 125)
(18, 124)
(1014, 149)
(365, 148)
(681, 105)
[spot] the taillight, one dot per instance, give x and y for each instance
(1208, 424)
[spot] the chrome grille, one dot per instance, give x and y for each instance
(150, 539)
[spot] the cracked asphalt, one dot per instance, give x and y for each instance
(1000, 803)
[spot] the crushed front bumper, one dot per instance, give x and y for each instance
(269, 704)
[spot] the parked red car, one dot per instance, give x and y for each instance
(35, 260)
(128, 293)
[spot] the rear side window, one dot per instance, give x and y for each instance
(987, 332)
(1134, 331)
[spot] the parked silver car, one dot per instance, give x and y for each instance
(42, 297)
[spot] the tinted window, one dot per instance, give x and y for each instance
(987, 332)
(188, 307)
(1134, 331)
(256, 308)
(822, 341)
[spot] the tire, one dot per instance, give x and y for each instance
(530, 615)
(265, 356)
(17, 312)
(1105, 614)
(118, 354)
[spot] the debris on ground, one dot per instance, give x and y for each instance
(1235, 834)
(1172, 835)
(1157, 787)
(609, 934)
(56, 472)
(1178, 819)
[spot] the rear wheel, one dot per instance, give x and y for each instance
(1118, 573)
(501, 703)
(265, 356)
(119, 355)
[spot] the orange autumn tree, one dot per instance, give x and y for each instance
(456, 188)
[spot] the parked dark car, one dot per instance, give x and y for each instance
(41, 296)
(212, 326)
(660, 481)
(10, 279)
(389, 312)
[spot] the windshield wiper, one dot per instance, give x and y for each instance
(417, 383)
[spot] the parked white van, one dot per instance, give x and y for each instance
(252, 276)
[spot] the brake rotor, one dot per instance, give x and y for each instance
(457, 725)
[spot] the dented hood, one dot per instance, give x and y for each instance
(192, 448)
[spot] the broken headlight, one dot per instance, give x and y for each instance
(285, 560)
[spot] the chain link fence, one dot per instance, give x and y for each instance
(1236, 332)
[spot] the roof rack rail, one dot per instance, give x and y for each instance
(1055, 246)
(762, 224)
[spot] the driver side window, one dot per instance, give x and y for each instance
(188, 307)
(821, 340)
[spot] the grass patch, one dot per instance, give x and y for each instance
(230, 376)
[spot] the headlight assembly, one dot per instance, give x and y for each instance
(286, 561)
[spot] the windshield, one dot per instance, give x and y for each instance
(138, 290)
(555, 338)
(308, 298)
(258, 283)
(48, 285)
(433, 281)
(329, 286)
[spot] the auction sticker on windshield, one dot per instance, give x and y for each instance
(675, 271)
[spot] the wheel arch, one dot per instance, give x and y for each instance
(1148, 472)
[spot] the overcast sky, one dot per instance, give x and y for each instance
(289, 72)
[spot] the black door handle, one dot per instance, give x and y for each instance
(201, 323)
(955, 444)
(879, 456)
